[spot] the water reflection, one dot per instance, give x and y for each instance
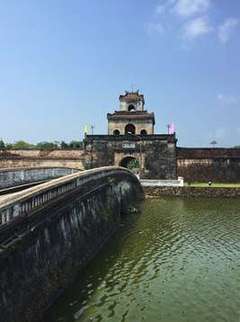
(177, 261)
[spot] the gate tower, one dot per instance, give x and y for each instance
(132, 118)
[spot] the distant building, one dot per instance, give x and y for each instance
(131, 138)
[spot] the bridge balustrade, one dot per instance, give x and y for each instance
(23, 204)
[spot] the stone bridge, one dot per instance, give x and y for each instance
(51, 230)
(18, 178)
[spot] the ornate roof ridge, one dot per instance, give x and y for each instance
(132, 112)
(134, 95)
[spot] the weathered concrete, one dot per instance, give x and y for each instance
(50, 231)
(162, 183)
(160, 158)
(186, 192)
(202, 165)
(15, 177)
(74, 159)
(157, 152)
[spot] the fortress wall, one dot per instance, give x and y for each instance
(201, 165)
(191, 192)
(74, 159)
(194, 164)
(32, 153)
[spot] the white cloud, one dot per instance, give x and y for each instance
(187, 8)
(184, 8)
(154, 28)
(194, 24)
(164, 6)
(226, 29)
(228, 99)
(196, 27)
(195, 20)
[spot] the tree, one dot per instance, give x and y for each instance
(2, 145)
(9, 146)
(57, 143)
(22, 145)
(46, 145)
(75, 144)
(64, 145)
(133, 164)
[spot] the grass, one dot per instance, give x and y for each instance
(214, 185)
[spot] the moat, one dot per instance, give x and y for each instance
(176, 261)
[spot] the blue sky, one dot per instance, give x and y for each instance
(64, 63)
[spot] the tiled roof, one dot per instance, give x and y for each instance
(131, 116)
(131, 97)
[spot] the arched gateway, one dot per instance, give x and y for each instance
(129, 162)
(131, 141)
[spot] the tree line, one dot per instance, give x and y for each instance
(61, 145)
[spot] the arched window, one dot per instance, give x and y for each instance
(143, 132)
(131, 108)
(116, 132)
(130, 129)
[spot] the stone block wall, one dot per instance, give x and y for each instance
(202, 165)
(160, 157)
(157, 152)
(161, 160)
(191, 192)
(31, 158)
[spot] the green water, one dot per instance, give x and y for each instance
(178, 261)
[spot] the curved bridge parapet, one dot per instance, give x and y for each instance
(49, 232)
(22, 204)
(21, 176)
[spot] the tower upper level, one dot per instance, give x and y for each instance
(131, 102)
(132, 117)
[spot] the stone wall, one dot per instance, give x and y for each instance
(74, 159)
(208, 192)
(202, 165)
(161, 160)
(160, 157)
(157, 152)
(51, 231)
(162, 183)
